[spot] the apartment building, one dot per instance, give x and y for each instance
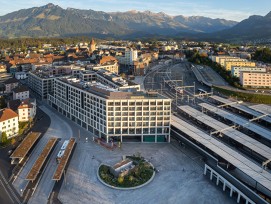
(255, 79)
(9, 122)
(230, 64)
(10, 84)
(110, 113)
(109, 66)
(221, 58)
(20, 92)
(235, 71)
(27, 110)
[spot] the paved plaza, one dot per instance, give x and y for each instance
(180, 178)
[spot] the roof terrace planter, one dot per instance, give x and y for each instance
(131, 173)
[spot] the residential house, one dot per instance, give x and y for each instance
(9, 122)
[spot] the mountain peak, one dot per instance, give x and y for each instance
(133, 22)
(50, 5)
(133, 11)
(268, 15)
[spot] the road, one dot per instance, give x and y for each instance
(7, 192)
(58, 128)
(210, 77)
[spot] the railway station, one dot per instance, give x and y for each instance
(262, 108)
(237, 106)
(222, 130)
(237, 120)
(233, 162)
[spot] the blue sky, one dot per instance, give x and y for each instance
(228, 9)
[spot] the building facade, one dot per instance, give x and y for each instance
(235, 71)
(10, 84)
(20, 92)
(110, 113)
(9, 122)
(130, 55)
(255, 79)
(230, 64)
(27, 110)
(109, 66)
(41, 85)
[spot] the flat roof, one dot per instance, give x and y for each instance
(239, 161)
(241, 108)
(25, 146)
(265, 133)
(64, 160)
(107, 92)
(232, 133)
(35, 170)
(262, 108)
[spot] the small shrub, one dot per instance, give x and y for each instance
(120, 179)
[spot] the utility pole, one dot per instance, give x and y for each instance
(176, 99)
(194, 98)
(65, 181)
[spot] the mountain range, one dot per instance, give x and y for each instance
(53, 21)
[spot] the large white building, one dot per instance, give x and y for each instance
(41, 84)
(130, 55)
(9, 122)
(110, 113)
(256, 79)
(235, 71)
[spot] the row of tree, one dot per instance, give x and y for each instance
(23, 43)
(263, 55)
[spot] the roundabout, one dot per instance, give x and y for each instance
(133, 172)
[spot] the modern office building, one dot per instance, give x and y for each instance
(255, 79)
(41, 84)
(111, 113)
(41, 80)
(235, 71)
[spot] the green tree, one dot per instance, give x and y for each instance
(263, 55)
(4, 137)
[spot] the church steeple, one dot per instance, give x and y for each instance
(92, 46)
